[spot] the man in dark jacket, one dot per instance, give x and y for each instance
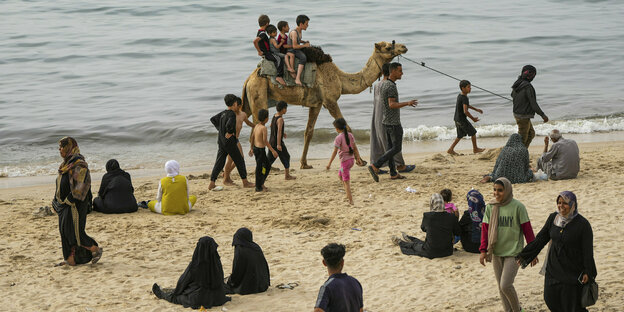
(525, 104)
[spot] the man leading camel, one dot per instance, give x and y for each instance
(378, 140)
(392, 122)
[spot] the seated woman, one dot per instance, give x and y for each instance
(201, 284)
(512, 163)
(250, 271)
(470, 222)
(173, 193)
(440, 228)
(116, 194)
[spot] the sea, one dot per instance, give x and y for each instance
(139, 80)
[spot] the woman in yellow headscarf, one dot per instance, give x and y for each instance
(71, 202)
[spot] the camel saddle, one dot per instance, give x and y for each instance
(308, 77)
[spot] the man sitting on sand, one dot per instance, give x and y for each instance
(340, 292)
(562, 161)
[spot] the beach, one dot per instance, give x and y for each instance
(292, 222)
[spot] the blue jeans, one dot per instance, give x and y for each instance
(395, 144)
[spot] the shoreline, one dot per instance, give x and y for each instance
(413, 148)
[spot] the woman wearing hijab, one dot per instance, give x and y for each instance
(504, 222)
(71, 202)
(250, 271)
(512, 163)
(470, 222)
(173, 193)
(570, 259)
(116, 194)
(525, 104)
(440, 226)
(201, 284)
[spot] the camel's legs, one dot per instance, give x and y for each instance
(333, 109)
(307, 135)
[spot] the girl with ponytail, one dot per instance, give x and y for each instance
(344, 146)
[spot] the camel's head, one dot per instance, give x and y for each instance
(389, 50)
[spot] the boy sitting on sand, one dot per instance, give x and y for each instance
(461, 122)
(259, 142)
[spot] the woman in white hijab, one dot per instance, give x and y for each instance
(173, 193)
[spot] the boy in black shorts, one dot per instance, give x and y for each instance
(464, 127)
(277, 139)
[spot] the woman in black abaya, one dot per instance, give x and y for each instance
(71, 203)
(250, 271)
(116, 194)
(201, 284)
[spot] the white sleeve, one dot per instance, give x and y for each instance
(159, 196)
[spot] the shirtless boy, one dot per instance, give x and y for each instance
(258, 149)
(229, 164)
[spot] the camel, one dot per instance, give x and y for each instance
(331, 83)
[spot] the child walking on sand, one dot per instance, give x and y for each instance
(277, 139)
(259, 142)
(461, 122)
(344, 145)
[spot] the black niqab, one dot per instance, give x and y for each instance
(244, 237)
(250, 270)
(201, 284)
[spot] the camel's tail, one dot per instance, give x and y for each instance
(246, 108)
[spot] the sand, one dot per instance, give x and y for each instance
(292, 223)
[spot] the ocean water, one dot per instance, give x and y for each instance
(139, 81)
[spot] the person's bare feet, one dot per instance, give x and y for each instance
(211, 185)
(289, 177)
(298, 82)
(265, 189)
(246, 184)
(478, 150)
(292, 74)
(452, 152)
(229, 182)
(486, 179)
(280, 80)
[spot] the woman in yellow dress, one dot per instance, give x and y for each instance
(173, 193)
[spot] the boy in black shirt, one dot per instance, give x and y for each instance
(340, 292)
(262, 45)
(225, 122)
(461, 122)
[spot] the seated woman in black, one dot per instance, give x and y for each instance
(116, 194)
(201, 284)
(440, 228)
(470, 222)
(250, 271)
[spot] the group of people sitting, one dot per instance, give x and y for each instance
(561, 161)
(203, 285)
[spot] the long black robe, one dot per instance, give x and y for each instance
(571, 255)
(440, 228)
(201, 284)
(250, 270)
(116, 194)
(66, 223)
(469, 242)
